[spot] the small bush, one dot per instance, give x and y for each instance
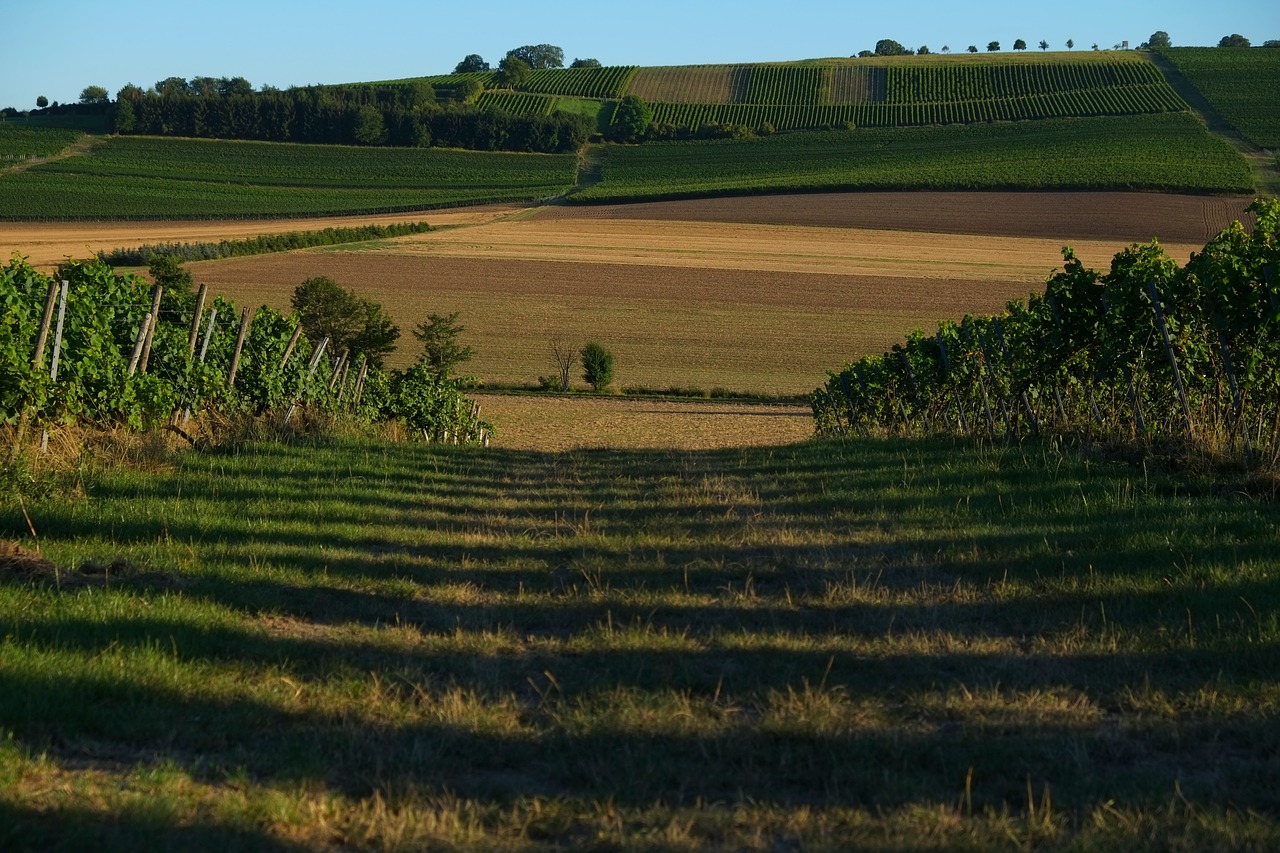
(597, 366)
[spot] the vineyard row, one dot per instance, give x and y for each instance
(1149, 352)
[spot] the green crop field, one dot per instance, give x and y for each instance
(1165, 152)
(22, 142)
(811, 95)
(1242, 84)
(140, 177)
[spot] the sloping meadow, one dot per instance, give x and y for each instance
(915, 644)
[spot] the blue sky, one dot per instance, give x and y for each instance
(58, 47)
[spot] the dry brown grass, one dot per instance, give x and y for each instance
(555, 423)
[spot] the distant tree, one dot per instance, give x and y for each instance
(631, 119)
(470, 64)
(327, 310)
(172, 86)
(597, 366)
(863, 54)
(1019, 44)
(441, 348)
(1095, 46)
(565, 357)
(1071, 43)
(94, 95)
(228, 86)
(1271, 43)
(923, 50)
(168, 272)
(1234, 40)
(1044, 45)
(468, 91)
(371, 127)
(512, 72)
(42, 102)
(973, 48)
(379, 335)
(203, 86)
(993, 46)
(946, 49)
(585, 63)
(889, 47)
(1158, 39)
(539, 55)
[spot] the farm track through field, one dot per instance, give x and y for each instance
(1264, 163)
(84, 146)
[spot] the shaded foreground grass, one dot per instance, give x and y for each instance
(818, 646)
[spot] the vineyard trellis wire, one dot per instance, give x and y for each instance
(125, 353)
(1149, 351)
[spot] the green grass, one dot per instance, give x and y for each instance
(886, 645)
(1160, 152)
(146, 177)
(1240, 84)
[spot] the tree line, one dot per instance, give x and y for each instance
(398, 114)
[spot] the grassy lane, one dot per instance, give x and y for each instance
(800, 647)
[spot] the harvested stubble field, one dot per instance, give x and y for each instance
(752, 294)
(686, 300)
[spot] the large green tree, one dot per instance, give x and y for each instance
(328, 310)
(1159, 39)
(513, 72)
(1234, 40)
(470, 64)
(631, 120)
(539, 55)
(889, 47)
(94, 95)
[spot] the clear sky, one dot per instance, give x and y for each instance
(57, 47)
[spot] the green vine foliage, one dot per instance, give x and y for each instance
(1089, 355)
(104, 315)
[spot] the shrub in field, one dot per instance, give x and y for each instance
(442, 350)
(597, 366)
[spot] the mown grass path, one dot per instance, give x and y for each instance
(814, 646)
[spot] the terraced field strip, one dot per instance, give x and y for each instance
(854, 84)
(604, 82)
(517, 103)
(1167, 152)
(691, 84)
(1242, 85)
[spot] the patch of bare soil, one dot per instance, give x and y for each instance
(1118, 217)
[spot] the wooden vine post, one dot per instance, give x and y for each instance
(235, 356)
(156, 293)
(195, 321)
(955, 395)
(1169, 353)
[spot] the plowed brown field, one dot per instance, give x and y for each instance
(1112, 217)
(755, 294)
